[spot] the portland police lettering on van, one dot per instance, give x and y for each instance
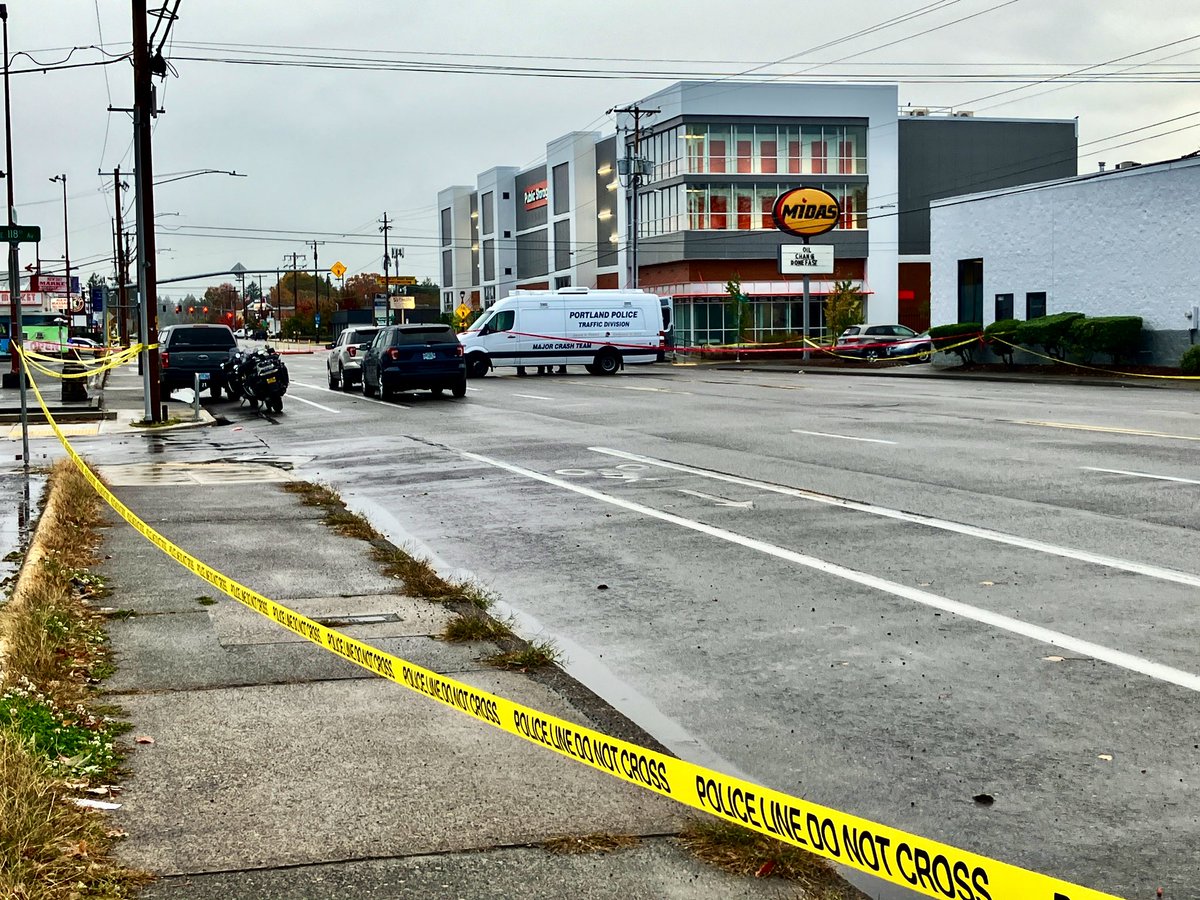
(602, 330)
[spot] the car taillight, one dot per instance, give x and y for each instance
(662, 339)
(458, 350)
(393, 353)
(352, 350)
(164, 359)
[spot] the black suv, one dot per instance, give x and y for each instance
(414, 357)
(185, 351)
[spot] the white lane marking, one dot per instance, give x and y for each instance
(632, 387)
(987, 534)
(1118, 658)
(336, 412)
(1141, 475)
(1107, 429)
(533, 397)
(720, 501)
(355, 396)
(844, 437)
(475, 390)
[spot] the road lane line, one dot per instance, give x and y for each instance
(355, 396)
(336, 412)
(987, 534)
(1106, 429)
(844, 437)
(533, 397)
(1141, 475)
(1118, 658)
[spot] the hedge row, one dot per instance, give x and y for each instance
(1058, 335)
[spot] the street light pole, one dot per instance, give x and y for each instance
(66, 241)
(387, 294)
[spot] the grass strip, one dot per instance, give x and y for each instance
(745, 853)
(55, 740)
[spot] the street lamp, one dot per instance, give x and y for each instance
(66, 240)
(183, 175)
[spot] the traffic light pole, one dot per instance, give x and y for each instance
(143, 112)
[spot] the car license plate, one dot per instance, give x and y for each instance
(429, 355)
(204, 376)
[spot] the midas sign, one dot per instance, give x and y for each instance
(806, 212)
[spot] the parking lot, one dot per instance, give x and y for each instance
(964, 609)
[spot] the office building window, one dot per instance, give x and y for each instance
(562, 244)
(970, 290)
(1004, 306)
(1035, 304)
(446, 233)
(489, 260)
(759, 150)
(485, 211)
(718, 207)
(560, 175)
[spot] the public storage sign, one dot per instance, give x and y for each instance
(806, 212)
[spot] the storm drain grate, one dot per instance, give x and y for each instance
(364, 619)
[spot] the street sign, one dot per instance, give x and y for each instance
(463, 311)
(21, 234)
(338, 269)
(404, 279)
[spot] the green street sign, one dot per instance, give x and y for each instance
(21, 234)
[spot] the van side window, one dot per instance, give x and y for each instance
(502, 321)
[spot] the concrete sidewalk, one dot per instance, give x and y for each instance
(277, 769)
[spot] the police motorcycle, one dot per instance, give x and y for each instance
(257, 376)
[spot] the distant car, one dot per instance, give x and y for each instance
(86, 346)
(185, 351)
(344, 363)
(916, 349)
(871, 341)
(414, 357)
(240, 333)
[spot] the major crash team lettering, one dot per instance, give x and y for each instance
(916, 865)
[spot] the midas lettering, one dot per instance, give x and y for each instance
(592, 748)
(452, 693)
(809, 211)
(934, 872)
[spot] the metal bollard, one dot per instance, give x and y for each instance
(74, 390)
(195, 397)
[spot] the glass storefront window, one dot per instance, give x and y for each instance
(719, 150)
(744, 197)
(766, 155)
(697, 201)
(696, 141)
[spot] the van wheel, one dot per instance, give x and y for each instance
(607, 363)
(477, 366)
(591, 369)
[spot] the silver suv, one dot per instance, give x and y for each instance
(870, 341)
(345, 358)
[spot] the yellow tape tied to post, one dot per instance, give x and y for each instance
(928, 867)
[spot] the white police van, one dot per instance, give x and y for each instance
(601, 329)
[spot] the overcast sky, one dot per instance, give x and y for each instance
(328, 150)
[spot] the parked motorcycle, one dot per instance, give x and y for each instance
(258, 376)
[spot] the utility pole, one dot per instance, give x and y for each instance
(387, 299)
(635, 167)
(143, 112)
(316, 283)
(17, 376)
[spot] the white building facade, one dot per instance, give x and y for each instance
(1116, 243)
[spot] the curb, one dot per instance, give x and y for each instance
(964, 376)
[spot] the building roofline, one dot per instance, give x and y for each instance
(1187, 161)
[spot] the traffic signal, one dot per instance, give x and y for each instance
(206, 310)
(178, 308)
(229, 317)
(191, 310)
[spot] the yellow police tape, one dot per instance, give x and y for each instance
(922, 865)
(1093, 368)
(90, 367)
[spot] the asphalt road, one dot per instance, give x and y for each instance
(883, 595)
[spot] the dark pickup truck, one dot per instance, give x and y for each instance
(185, 351)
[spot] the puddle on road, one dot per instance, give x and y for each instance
(19, 494)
